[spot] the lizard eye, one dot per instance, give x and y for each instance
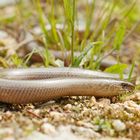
(128, 86)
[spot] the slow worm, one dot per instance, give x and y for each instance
(43, 84)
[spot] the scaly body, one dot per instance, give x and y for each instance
(42, 84)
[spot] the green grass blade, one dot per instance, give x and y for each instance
(119, 36)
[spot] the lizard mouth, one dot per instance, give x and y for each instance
(128, 87)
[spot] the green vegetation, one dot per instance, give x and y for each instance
(109, 23)
(97, 30)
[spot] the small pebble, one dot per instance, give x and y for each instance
(104, 101)
(48, 128)
(92, 102)
(118, 125)
(8, 115)
(56, 115)
(68, 107)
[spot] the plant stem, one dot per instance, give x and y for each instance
(73, 33)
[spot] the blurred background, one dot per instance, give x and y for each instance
(30, 32)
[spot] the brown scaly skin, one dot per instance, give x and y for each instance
(42, 84)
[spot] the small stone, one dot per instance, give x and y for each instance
(132, 104)
(104, 101)
(48, 128)
(37, 111)
(76, 103)
(56, 115)
(92, 102)
(88, 133)
(118, 125)
(68, 107)
(8, 115)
